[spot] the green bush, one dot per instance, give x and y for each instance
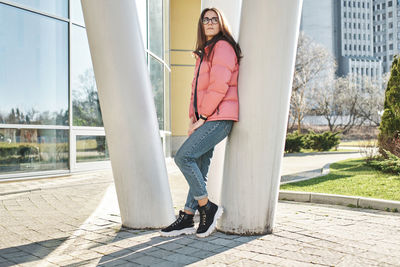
(22, 150)
(321, 142)
(294, 142)
(387, 163)
(389, 128)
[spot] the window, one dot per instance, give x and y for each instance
(85, 101)
(390, 46)
(58, 8)
(34, 47)
(390, 14)
(345, 47)
(344, 3)
(390, 25)
(390, 3)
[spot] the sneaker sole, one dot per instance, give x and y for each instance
(213, 225)
(186, 231)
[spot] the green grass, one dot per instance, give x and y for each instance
(358, 142)
(352, 178)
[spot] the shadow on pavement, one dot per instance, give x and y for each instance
(168, 251)
(29, 252)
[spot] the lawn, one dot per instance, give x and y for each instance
(357, 143)
(352, 178)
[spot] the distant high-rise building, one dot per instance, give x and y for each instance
(345, 28)
(386, 27)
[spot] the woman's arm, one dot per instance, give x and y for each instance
(222, 66)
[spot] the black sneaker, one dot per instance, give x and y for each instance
(183, 225)
(209, 215)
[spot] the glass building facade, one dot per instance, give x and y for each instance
(50, 117)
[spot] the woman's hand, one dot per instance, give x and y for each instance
(194, 125)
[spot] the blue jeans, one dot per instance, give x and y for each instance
(194, 156)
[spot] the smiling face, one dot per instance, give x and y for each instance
(211, 28)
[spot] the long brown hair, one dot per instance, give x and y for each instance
(224, 34)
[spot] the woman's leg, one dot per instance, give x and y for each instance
(198, 143)
(204, 164)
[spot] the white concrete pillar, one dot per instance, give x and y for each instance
(129, 114)
(254, 151)
(231, 10)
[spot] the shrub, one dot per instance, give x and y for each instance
(390, 121)
(321, 142)
(294, 142)
(387, 163)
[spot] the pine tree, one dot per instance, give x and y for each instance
(390, 122)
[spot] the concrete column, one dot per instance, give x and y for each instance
(129, 114)
(231, 10)
(254, 151)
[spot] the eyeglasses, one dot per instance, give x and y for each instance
(214, 20)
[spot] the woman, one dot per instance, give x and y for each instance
(213, 108)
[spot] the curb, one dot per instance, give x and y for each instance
(350, 201)
(307, 175)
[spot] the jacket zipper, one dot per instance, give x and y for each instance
(195, 88)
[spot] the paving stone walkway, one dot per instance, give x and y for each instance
(74, 221)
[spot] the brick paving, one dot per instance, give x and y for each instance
(74, 221)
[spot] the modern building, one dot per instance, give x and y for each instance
(345, 28)
(50, 118)
(386, 20)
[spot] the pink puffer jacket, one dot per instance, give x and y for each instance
(217, 94)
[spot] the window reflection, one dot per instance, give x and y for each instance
(91, 148)
(76, 12)
(155, 27)
(157, 82)
(56, 7)
(33, 68)
(23, 150)
(85, 101)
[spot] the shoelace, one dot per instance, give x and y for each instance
(203, 218)
(180, 218)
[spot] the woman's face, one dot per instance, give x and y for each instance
(211, 24)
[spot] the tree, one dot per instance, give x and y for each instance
(389, 128)
(314, 65)
(86, 106)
